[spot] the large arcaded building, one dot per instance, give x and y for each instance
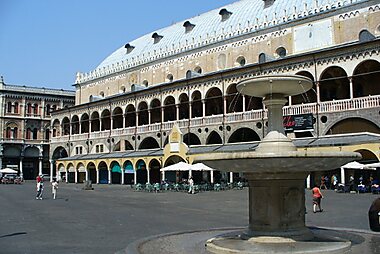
(185, 75)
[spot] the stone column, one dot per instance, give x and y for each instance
(163, 175)
(243, 103)
(87, 175)
(342, 176)
(66, 176)
(51, 170)
(149, 116)
(318, 92)
(177, 112)
(97, 176)
(190, 109)
(203, 108)
(135, 177)
(122, 176)
(351, 88)
(148, 174)
(76, 176)
(284, 215)
(21, 168)
(224, 105)
(109, 176)
(40, 166)
(231, 177)
(212, 176)
(308, 182)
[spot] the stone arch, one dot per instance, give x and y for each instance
(130, 116)
(175, 176)
(334, 84)
(91, 168)
(367, 156)
(234, 99)
(183, 106)
(154, 171)
(143, 113)
(95, 122)
(155, 111)
(169, 109)
(105, 120)
(191, 139)
(149, 143)
(103, 173)
(353, 125)
(128, 145)
(85, 123)
(56, 128)
(129, 172)
(59, 152)
(366, 79)
(196, 104)
(66, 126)
(214, 102)
(117, 118)
(214, 138)
(141, 172)
(75, 124)
(241, 61)
(309, 96)
(116, 172)
(243, 135)
(81, 172)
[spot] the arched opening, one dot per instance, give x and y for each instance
(106, 120)
(154, 171)
(95, 122)
(75, 125)
(366, 79)
(214, 138)
(169, 109)
(196, 105)
(353, 125)
(214, 102)
(66, 126)
(155, 111)
(334, 84)
(175, 176)
(191, 139)
(234, 100)
(243, 135)
(91, 172)
(56, 128)
(141, 172)
(115, 173)
(130, 116)
(84, 123)
(103, 173)
(117, 118)
(70, 173)
(129, 173)
(308, 97)
(81, 173)
(149, 143)
(183, 106)
(240, 61)
(127, 145)
(143, 113)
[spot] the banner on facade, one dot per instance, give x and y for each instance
(300, 122)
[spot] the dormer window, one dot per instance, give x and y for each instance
(188, 26)
(129, 48)
(156, 37)
(225, 14)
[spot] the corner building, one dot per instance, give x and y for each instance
(25, 124)
(182, 80)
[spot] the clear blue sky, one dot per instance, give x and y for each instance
(43, 43)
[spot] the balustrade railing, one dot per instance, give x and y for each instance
(322, 107)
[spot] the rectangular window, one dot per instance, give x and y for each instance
(97, 148)
(101, 148)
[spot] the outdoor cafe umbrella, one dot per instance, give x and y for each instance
(8, 171)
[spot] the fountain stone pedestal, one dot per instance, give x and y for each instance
(276, 173)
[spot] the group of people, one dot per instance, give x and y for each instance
(40, 187)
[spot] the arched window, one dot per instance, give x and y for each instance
(29, 109)
(15, 132)
(281, 52)
(8, 133)
(16, 108)
(35, 132)
(47, 109)
(28, 133)
(35, 109)
(240, 61)
(9, 107)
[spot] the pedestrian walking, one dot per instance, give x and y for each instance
(40, 186)
(54, 187)
(317, 196)
(191, 186)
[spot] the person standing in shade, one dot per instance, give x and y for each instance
(54, 187)
(191, 186)
(317, 196)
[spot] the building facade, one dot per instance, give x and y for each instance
(25, 124)
(185, 75)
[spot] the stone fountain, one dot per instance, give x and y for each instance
(276, 172)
